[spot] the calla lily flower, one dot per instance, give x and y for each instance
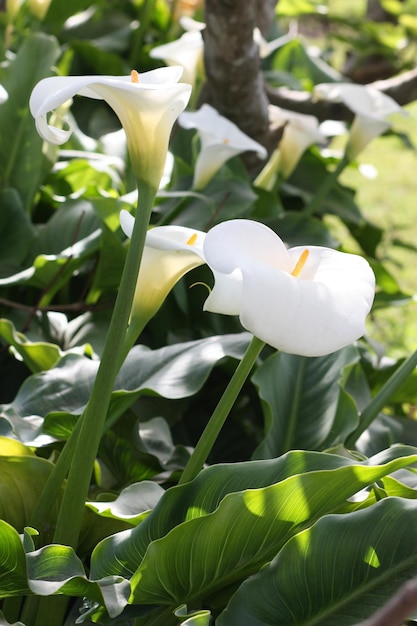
(220, 141)
(373, 110)
(300, 132)
(170, 252)
(3, 94)
(147, 106)
(305, 300)
(187, 51)
(39, 8)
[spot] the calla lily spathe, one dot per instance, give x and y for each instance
(220, 139)
(313, 310)
(147, 106)
(170, 252)
(3, 94)
(373, 110)
(299, 133)
(187, 51)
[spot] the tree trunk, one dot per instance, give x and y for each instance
(235, 85)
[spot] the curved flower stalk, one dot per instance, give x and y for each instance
(170, 252)
(306, 300)
(300, 132)
(372, 108)
(220, 141)
(147, 106)
(187, 51)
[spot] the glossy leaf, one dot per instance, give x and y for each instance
(175, 371)
(57, 569)
(303, 400)
(132, 504)
(273, 480)
(242, 534)
(13, 577)
(339, 571)
(38, 356)
(21, 161)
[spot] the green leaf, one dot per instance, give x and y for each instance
(339, 571)
(227, 196)
(21, 161)
(293, 8)
(132, 504)
(38, 355)
(195, 618)
(57, 569)
(4, 622)
(16, 232)
(176, 371)
(13, 577)
(64, 244)
(202, 496)
(297, 229)
(59, 11)
(22, 479)
(294, 58)
(301, 398)
(241, 535)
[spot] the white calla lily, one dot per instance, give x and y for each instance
(220, 139)
(187, 51)
(372, 108)
(300, 132)
(147, 106)
(309, 301)
(170, 252)
(3, 95)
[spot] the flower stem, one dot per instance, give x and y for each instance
(93, 419)
(382, 397)
(218, 418)
(325, 188)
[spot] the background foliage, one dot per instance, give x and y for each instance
(300, 517)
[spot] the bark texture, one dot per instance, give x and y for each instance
(235, 85)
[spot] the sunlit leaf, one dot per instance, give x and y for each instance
(340, 571)
(131, 504)
(276, 483)
(13, 578)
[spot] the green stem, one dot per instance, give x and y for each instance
(382, 398)
(325, 187)
(93, 419)
(215, 424)
(54, 483)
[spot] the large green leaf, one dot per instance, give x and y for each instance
(21, 160)
(286, 476)
(303, 401)
(16, 232)
(337, 572)
(175, 371)
(207, 554)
